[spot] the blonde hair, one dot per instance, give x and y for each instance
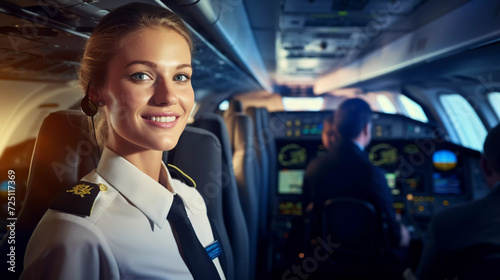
(107, 38)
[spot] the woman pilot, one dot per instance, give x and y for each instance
(129, 219)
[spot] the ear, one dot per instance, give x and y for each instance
(94, 95)
(486, 167)
(366, 129)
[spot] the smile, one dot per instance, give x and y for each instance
(162, 119)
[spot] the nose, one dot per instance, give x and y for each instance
(165, 94)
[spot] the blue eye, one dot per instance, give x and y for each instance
(140, 76)
(181, 78)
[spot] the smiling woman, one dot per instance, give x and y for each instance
(115, 36)
(146, 81)
(129, 218)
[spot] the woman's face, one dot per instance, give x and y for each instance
(148, 94)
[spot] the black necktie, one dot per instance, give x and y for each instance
(198, 262)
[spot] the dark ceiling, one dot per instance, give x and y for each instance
(299, 40)
(43, 41)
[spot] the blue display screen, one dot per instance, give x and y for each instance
(446, 183)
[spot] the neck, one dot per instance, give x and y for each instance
(148, 161)
(361, 146)
(359, 141)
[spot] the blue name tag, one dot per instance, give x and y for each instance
(213, 249)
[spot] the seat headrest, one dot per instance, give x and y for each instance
(242, 133)
(235, 106)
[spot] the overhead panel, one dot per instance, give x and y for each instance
(477, 22)
(316, 37)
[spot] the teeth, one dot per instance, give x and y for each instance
(163, 119)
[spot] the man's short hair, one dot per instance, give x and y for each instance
(491, 148)
(351, 117)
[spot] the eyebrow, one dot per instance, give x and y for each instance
(184, 66)
(145, 62)
(154, 65)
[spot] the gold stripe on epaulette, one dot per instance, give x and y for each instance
(182, 172)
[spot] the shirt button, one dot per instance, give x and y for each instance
(103, 187)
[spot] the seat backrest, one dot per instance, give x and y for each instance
(240, 130)
(350, 222)
(270, 143)
(263, 165)
(233, 214)
(63, 154)
(265, 147)
(355, 225)
(199, 154)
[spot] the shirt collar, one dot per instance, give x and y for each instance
(359, 145)
(149, 196)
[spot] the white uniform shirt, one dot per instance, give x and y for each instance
(127, 235)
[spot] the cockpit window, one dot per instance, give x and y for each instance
(386, 104)
(224, 105)
(465, 121)
(302, 103)
(494, 99)
(412, 109)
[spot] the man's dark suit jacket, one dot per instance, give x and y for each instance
(460, 227)
(347, 172)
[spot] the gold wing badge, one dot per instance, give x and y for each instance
(78, 199)
(81, 190)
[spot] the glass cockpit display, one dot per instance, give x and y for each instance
(446, 178)
(293, 158)
(385, 156)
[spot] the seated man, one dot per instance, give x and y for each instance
(466, 225)
(347, 172)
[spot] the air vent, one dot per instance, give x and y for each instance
(349, 5)
(333, 35)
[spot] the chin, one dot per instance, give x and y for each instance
(167, 145)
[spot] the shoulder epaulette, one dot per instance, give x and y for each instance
(78, 199)
(178, 174)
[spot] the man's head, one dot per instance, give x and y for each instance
(329, 134)
(490, 162)
(353, 120)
